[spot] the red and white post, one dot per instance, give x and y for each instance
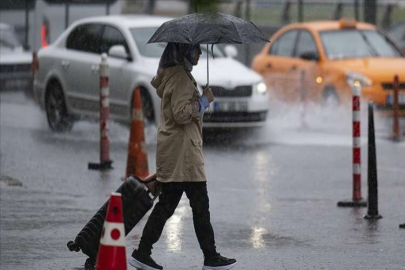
(105, 162)
(396, 130)
(357, 200)
(356, 117)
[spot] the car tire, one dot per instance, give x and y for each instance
(147, 106)
(330, 97)
(58, 117)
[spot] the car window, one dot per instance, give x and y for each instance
(380, 44)
(142, 35)
(112, 37)
(363, 43)
(86, 37)
(8, 38)
(285, 44)
(305, 44)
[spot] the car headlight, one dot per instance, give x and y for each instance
(260, 88)
(357, 79)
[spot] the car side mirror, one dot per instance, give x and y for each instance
(309, 56)
(231, 51)
(119, 51)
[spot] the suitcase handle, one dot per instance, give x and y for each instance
(155, 189)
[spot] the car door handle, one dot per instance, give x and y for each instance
(65, 64)
(95, 69)
(293, 68)
(269, 66)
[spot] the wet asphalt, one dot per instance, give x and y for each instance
(273, 194)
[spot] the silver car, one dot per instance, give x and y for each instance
(15, 62)
(67, 81)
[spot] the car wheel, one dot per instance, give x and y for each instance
(330, 97)
(56, 110)
(147, 105)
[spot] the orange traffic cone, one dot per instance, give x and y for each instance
(111, 253)
(137, 163)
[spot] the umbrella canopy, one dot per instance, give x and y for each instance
(208, 28)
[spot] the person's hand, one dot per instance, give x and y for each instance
(208, 93)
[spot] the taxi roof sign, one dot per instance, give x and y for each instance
(345, 23)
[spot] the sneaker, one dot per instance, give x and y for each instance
(143, 261)
(218, 262)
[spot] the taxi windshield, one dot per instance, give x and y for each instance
(155, 50)
(354, 43)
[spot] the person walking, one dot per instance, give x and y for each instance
(179, 156)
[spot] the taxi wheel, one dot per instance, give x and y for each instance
(56, 110)
(330, 97)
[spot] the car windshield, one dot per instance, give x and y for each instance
(155, 50)
(8, 39)
(355, 43)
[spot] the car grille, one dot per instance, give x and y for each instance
(15, 68)
(390, 86)
(239, 91)
(222, 117)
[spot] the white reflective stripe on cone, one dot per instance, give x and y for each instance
(110, 232)
(137, 114)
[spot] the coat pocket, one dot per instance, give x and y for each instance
(196, 153)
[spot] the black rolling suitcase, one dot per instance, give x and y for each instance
(136, 202)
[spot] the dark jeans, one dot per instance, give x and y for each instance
(168, 200)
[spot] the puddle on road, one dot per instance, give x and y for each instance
(258, 238)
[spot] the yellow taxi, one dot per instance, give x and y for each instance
(322, 60)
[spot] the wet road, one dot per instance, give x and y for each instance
(273, 194)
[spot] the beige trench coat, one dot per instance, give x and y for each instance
(179, 154)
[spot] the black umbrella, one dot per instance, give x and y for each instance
(208, 28)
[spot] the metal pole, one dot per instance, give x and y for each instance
(300, 10)
(370, 11)
(107, 8)
(247, 47)
(151, 6)
(27, 24)
(208, 70)
(356, 10)
(285, 18)
(66, 15)
(372, 212)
